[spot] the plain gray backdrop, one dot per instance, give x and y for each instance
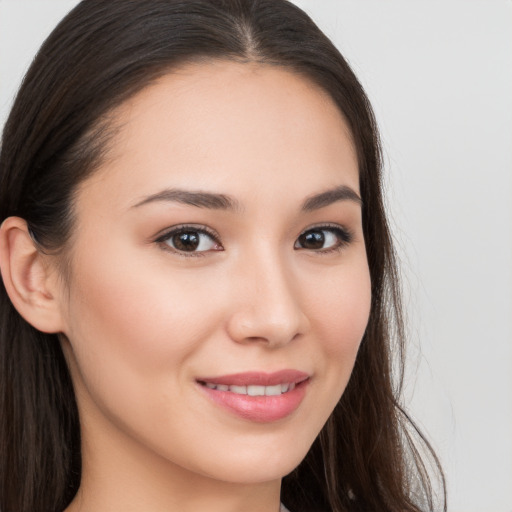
(439, 74)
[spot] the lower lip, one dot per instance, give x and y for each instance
(261, 409)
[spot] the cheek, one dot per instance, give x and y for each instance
(128, 324)
(133, 336)
(341, 311)
(340, 316)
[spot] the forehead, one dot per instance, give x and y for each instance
(231, 127)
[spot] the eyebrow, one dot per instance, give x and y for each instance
(215, 201)
(341, 193)
(193, 198)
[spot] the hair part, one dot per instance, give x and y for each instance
(369, 455)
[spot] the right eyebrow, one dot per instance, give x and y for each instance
(193, 198)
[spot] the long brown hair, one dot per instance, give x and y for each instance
(369, 456)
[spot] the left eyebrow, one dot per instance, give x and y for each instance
(323, 199)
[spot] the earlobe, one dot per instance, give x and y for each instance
(28, 278)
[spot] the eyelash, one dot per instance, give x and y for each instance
(183, 228)
(344, 236)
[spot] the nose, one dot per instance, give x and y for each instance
(267, 306)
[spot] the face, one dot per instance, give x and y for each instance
(219, 283)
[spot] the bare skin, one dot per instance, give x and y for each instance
(144, 319)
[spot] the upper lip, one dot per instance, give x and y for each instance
(257, 378)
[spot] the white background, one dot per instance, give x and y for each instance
(439, 74)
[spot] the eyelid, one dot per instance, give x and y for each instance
(345, 236)
(167, 233)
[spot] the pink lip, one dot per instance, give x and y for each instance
(260, 409)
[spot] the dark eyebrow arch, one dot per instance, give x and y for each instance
(193, 198)
(341, 193)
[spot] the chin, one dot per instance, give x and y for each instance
(256, 471)
(254, 463)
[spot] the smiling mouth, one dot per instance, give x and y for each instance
(253, 390)
(258, 396)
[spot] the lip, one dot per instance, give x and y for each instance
(260, 409)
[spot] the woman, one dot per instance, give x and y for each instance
(200, 302)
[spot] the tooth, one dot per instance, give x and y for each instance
(222, 387)
(210, 385)
(256, 390)
(273, 390)
(284, 388)
(241, 390)
(292, 386)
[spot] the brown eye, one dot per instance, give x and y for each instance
(190, 240)
(186, 241)
(323, 239)
(312, 240)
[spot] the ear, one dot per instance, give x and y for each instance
(29, 279)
